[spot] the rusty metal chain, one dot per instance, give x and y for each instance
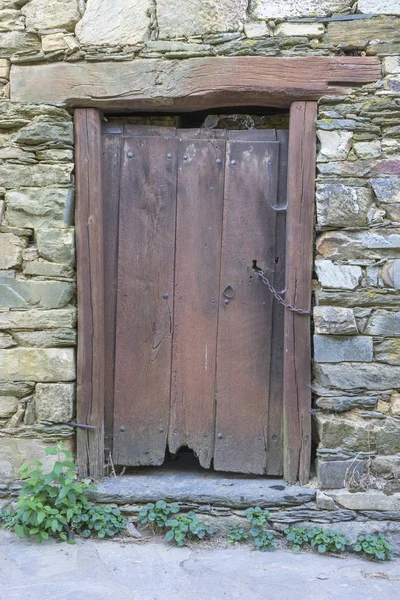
(277, 295)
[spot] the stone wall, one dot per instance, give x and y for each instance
(357, 269)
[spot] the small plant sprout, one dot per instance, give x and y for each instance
(373, 546)
(156, 515)
(185, 527)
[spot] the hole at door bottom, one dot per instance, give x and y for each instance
(184, 459)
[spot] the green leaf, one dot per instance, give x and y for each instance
(40, 517)
(321, 548)
(51, 451)
(19, 530)
(169, 536)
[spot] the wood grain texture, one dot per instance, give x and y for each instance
(144, 312)
(244, 325)
(90, 281)
(299, 261)
(200, 194)
(111, 175)
(275, 405)
(193, 84)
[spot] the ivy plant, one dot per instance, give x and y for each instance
(55, 504)
(237, 534)
(373, 546)
(185, 527)
(258, 518)
(322, 540)
(156, 515)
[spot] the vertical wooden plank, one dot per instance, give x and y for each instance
(275, 413)
(90, 280)
(299, 260)
(145, 300)
(198, 252)
(111, 175)
(244, 327)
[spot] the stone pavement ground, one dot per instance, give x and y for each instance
(153, 570)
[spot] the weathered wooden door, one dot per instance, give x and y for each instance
(194, 338)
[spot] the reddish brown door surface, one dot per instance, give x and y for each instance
(194, 337)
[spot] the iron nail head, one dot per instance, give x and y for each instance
(233, 162)
(165, 296)
(122, 428)
(218, 161)
(220, 436)
(130, 155)
(169, 155)
(226, 301)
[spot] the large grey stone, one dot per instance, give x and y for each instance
(57, 246)
(39, 207)
(388, 351)
(45, 268)
(331, 349)
(379, 7)
(384, 322)
(11, 247)
(43, 131)
(219, 489)
(368, 500)
(17, 293)
(310, 30)
(8, 406)
(34, 175)
(118, 23)
(370, 149)
(342, 205)
(14, 452)
(369, 297)
(353, 376)
(37, 364)
(55, 402)
(391, 273)
(334, 320)
(334, 145)
(281, 9)
(53, 338)
(11, 20)
(346, 277)
(42, 14)
(350, 245)
(18, 389)
(14, 41)
(337, 473)
(6, 341)
(38, 319)
(15, 114)
(387, 190)
(346, 403)
(199, 17)
(361, 168)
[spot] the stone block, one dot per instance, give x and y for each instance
(4, 68)
(53, 42)
(56, 246)
(6, 341)
(43, 131)
(391, 273)
(346, 403)
(37, 364)
(334, 145)
(387, 189)
(130, 22)
(379, 7)
(11, 247)
(38, 319)
(361, 168)
(44, 268)
(18, 389)
(198, 17)
(368, 149)
(14, 452)
(384, 322)
(346, 277)
(354, 376)
(331, 349)
(20, 293)
(8, 406)
(40, 175)
(39, 207)
(53, 338)
(368, 500)
(310, 30)
(42, 14)
(337, 473)
(343, 206)
(323, 502)
(55, 402)
(55, 155)
(15, 41)
(11, 20)
(15, 115)
(351, 245)
(257, 29)
(388, 351)
(334, 320)
(391, 64)
(358, 33)
(282, 9)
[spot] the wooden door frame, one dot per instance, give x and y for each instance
(299, 249)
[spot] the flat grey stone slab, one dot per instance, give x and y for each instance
(201, 487)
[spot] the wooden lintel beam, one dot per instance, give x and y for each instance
(193, 84)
